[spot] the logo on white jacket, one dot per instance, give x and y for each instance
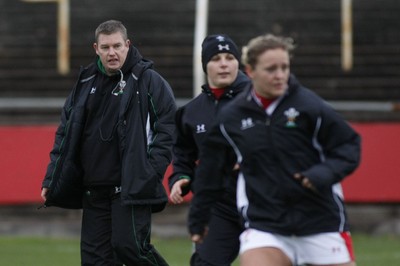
(200, 128)
(247, 123)
(291, 115)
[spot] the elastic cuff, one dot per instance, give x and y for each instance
(184, 177)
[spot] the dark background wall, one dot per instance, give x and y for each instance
(164, 31)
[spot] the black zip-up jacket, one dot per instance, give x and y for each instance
(193, 121)
(299, 133)
(145, 129)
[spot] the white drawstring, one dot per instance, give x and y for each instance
(120, 86)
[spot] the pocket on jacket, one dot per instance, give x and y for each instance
(144, 185)
(66, 188)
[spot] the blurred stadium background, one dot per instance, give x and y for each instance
(359, 76)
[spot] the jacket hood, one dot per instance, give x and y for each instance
(234, 88)
(293, 83)
(133, 59)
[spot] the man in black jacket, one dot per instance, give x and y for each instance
(111, 151)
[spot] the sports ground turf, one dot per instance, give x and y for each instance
(21, 251)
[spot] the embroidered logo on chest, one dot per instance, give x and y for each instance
(247, 123)
(291, 115)
(200, 128)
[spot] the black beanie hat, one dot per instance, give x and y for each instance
(215, 44)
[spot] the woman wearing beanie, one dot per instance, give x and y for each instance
(220, 60)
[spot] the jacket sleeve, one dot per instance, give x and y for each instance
(162, 108)
(341, 147)
(57, 146)
(184, 153)
(216, 162)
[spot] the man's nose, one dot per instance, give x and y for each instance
(111, 51)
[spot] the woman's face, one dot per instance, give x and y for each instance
(271, 73)
(222, 70)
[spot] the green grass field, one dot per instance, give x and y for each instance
(21, 251)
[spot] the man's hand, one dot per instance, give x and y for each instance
(44, 193)
(305, 181)
(176, 191)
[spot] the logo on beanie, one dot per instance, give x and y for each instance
(223, 47)
(214, 44)
(220, 38)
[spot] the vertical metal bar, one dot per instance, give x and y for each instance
(347, 35)
(63, 37)
(63, 51)
(200, 32)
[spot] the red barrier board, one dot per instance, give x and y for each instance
(24, 158)
(25, 155)
(377, 178)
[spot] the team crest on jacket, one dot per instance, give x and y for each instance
(291, 115)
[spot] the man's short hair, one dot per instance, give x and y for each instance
(109, 27)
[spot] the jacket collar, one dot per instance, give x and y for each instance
(233, 89)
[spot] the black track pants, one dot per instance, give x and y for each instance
(221, 245)
(113, 234)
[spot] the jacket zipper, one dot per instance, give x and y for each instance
(268, 121)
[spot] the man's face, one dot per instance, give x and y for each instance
(112, 50)
(222, 70)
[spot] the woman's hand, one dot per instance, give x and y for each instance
(176, 191)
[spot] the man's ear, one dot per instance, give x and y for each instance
(95, 48)
(128, 42)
